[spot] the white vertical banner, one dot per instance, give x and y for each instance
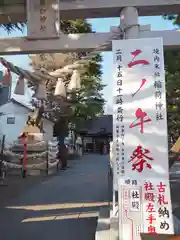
(42, 19)
(140, 125)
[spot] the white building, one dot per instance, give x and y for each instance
(13, 117)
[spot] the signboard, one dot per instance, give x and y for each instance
(42, 17)
(145, 208)
(140, 127)
(140, 124)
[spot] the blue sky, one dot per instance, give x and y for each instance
(98, 25)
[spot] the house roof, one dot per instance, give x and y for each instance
(4, 97)
(97, 125)
(28, 107)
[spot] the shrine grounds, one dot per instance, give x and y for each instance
(85, 182)
(64, 206)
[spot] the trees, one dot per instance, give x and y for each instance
(9, 27)
(86, 103)
(173, 105)
(174, 18)
(172, 67)
(89, 100)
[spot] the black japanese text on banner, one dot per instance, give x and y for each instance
(140, 134)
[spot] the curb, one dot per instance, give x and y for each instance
(107, 226)
(176, 225)
(114, 228)
(103, 224)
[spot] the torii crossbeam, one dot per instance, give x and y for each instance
(79, 42)
(91, 9)
(15, 12)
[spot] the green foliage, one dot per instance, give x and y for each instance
(89, 101)
(173, 106)
(75, 26)
(10, 27)
(172, 67)
(174, 18)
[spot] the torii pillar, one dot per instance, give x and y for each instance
(129, 22)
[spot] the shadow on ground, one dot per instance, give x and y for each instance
(65, 206)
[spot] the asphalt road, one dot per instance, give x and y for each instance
(64, 207)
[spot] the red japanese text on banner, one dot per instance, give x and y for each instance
(139, 117)
(140, 138)
(145, 207)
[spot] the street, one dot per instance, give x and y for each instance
(63, 207)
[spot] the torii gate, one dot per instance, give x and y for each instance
(44, 37)
(50, 40)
